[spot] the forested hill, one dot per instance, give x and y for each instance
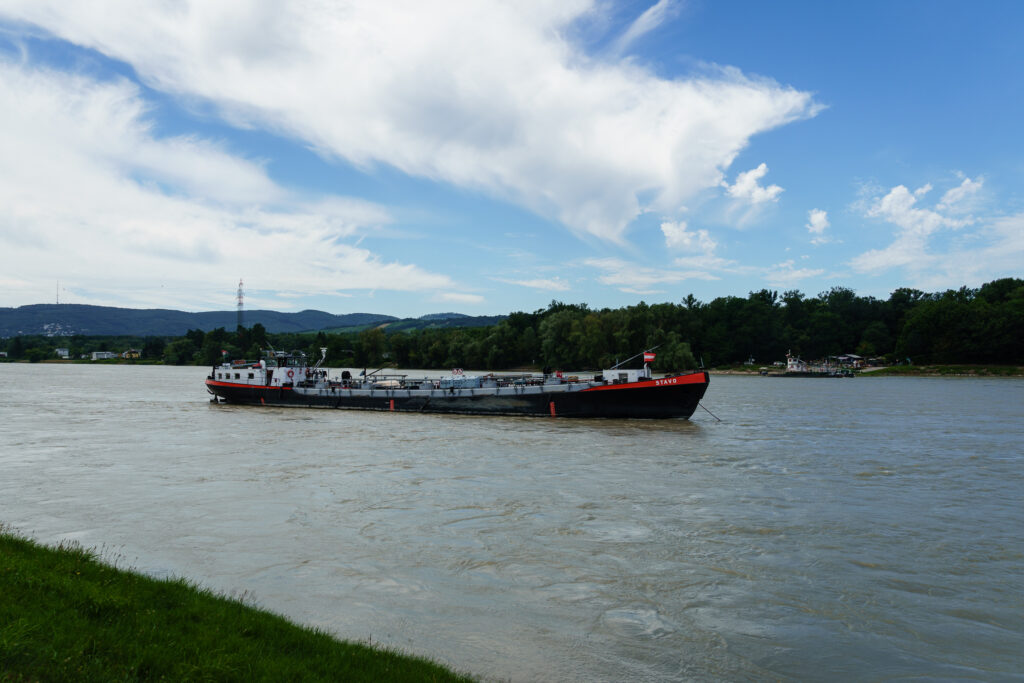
(72, 319)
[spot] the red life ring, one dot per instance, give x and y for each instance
(291, 374)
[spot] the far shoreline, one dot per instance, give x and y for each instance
(931, 370)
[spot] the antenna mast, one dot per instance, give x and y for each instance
(241, 296)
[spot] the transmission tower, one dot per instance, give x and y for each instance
(241, 296)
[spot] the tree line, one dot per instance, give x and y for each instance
(968, 325)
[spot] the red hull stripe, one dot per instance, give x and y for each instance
(696, 378)
(215, 383)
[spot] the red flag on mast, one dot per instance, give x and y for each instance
(648, 357)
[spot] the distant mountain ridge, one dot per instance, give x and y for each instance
(442, 316)
(70, 319)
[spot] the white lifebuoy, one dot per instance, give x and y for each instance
(291, 373)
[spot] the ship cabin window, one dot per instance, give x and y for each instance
(238, 375)
(251, 375)
(220, 375)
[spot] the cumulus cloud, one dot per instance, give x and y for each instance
(914, 227)
(960, 199)
(678, 237)
(93, 198)
(482, 94)
(817, 221)
(994, 250)
(747, 189)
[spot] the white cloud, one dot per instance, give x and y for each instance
(817, 221)
(544, 284)
(976, 249)
(482, 94)
(651, 19)
(784, 274)
(91, 197)
(460, 298)
(915, 226)
(995, 250)
(710, 262)
(637, 279)
(960, 199)
(678, 237)
(747, 189)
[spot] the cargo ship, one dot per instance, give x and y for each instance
(287, 379)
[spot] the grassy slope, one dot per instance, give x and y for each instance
(66, 616)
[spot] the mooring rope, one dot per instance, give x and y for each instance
(709, 412)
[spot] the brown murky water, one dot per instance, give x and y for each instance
(867, 528)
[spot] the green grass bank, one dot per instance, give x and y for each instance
(65, 615)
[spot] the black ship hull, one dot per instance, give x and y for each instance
(671, 397)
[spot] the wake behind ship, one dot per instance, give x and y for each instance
(285, 379)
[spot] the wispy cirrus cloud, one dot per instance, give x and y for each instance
(481, 94)
(635, 278)
(460, 298)
(652, 18)
(554, 284)
(785, 274)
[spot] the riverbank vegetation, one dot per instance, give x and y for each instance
(979, 326)
(65, 616)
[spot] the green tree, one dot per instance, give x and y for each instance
(16, 349)
(371, 346)
(875, 340)
(180, 352)
(674, 355)
(153, 347)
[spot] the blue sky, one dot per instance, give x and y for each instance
(484, 157)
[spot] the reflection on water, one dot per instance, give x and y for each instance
(866, 528)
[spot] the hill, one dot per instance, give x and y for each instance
(442, 316)
(450, 321)
(69, 319)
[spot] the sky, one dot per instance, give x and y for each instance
(489, 156)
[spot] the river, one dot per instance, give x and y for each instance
(824, 528)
